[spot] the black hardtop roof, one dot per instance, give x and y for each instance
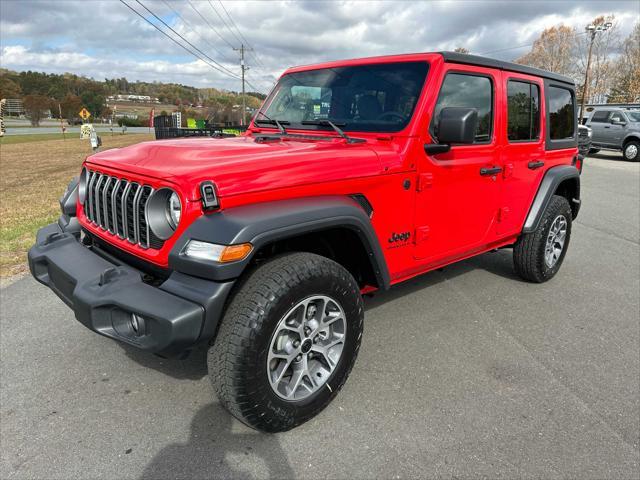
(455, 57)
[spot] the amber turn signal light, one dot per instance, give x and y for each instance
(233, 253)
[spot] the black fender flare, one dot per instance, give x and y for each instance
(552, 178)
(266, 222)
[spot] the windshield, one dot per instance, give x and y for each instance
(365, 98)
(634, 116)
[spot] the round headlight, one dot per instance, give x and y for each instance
(163, 212)
(175, 209)
(82, 185)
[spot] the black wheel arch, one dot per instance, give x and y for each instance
(333, 223)
(561, 180)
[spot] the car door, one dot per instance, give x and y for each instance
(615, 129)
(458, 190)
(523, 152)
(597, 123)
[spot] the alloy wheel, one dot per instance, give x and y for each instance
(306, 347)
(555, 241)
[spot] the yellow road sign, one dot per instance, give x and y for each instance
(84, 113)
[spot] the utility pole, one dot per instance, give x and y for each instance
(593, 29)
(244, 68)
(64, 137)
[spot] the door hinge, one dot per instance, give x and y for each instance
(425, 180)
(422, 233)
(503, 213)
(508, 170)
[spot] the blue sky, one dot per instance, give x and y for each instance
(105, 39)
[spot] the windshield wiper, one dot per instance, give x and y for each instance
(271, 121)
(336, 127)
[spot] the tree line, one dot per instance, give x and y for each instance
(68, 93)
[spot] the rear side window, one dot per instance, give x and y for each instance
(523, 111)
(561, 113)
(600, 116)
(470, 91)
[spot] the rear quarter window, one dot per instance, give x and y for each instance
(600, 116)
(561, 113)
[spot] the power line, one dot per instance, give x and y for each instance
(519, 46)
(172, 39)
(224, 22)
(253, 54)
(210, 26)
(192, 29)
(248, 82)
(229, 72)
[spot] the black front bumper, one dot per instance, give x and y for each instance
(113, 300)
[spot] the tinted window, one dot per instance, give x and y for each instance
(470, 91)
(523, 104)
(600, 116)
(371, 98)
(561, 113)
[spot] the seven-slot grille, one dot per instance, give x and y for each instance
(118, 206)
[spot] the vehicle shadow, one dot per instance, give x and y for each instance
(499, 263)
(220, 447)
(193, 367)
(607, 155)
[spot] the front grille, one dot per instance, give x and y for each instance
(118, 206)
(583, 133)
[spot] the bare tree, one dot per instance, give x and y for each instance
(553, 51)
(626, 85)
(461, 50)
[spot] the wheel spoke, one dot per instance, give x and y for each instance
(282, 368)
(331, 318)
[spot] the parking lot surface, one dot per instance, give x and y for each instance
(465, 372)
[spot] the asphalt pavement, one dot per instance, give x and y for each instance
(467, 372)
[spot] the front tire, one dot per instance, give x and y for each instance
(631, 151)
(287, 342)
(537, 256)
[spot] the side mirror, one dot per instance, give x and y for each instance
(455, 125)
(618, 122)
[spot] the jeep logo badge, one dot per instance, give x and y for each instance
(399, 237)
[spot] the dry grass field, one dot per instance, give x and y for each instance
(33, 176)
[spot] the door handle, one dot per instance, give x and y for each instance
(607, 126)
(534, 165)
(490, 171)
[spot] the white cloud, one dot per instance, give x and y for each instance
(105, 39)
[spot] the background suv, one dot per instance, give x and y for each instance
(616, 129)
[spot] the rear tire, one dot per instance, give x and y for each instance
(287, 342)
(537, 256)
(593, 150)
(631, 151)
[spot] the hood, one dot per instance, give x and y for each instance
(241, 164)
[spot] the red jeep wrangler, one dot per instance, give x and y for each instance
(353, 176)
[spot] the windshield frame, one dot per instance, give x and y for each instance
(262, 112)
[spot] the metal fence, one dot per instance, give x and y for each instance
(166, 126)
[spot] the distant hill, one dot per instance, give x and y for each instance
(72, 90)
